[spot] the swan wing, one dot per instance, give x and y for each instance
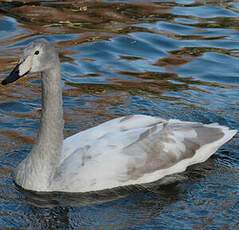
(170, 149)
(121, 124)
(124, 152)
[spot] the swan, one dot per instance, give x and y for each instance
(129, 150)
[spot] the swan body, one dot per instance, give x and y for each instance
(134, 149)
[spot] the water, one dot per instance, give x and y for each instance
(174, 59)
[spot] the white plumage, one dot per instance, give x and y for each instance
(115, 153)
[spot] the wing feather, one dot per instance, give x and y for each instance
(171, 144)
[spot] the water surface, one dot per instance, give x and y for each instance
(174, 59)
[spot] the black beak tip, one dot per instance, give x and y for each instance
(4, 82)
(13, 76)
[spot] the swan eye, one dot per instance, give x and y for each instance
(37, 52)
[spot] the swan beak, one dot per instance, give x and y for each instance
(19, 71)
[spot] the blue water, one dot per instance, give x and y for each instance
(174, 59)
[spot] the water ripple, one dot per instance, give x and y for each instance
(175, 59)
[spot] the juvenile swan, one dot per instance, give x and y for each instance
(134, 149)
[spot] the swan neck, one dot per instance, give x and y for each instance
(50, 138)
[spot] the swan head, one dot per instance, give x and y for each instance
(39, 56)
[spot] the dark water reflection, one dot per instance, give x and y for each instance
(175, 59)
